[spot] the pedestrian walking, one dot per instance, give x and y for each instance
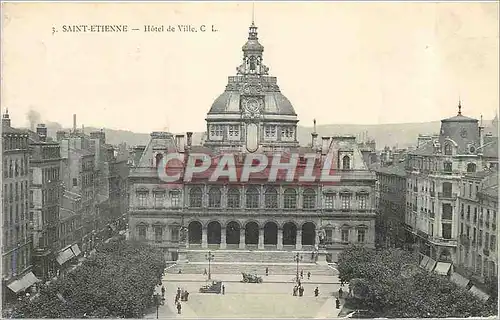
(308, 275)
(179, 307)
(162, 291)
(179, 291)
(316, 292)
(295, 291)
(223, 289)
(337, 303)
(302, 274)
(340, 293)
(205, 272)
(267, 271)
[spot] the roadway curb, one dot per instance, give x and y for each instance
(237, 281)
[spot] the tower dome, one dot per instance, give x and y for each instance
(252, 102)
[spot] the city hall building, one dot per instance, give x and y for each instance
(252, 116)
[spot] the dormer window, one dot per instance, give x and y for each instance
(346, 163)
(447, 149)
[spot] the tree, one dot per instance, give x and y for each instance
(389, 283)
(117, 282)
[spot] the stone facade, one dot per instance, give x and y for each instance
(16, 202)
(434, 175)
(258, 214)
(478, 221)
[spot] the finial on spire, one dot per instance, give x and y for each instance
(459, 107)
(314, 121)
(253, 13)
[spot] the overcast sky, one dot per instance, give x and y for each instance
(362, 63)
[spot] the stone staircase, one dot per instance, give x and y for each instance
(257, 256)
(257, 268)
(251, 261)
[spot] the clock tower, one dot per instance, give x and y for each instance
(252, 114)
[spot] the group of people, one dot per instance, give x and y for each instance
(181, 295)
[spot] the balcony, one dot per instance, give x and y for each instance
(447, 196)
(486, 252)
(444, 242)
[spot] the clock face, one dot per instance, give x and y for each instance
(252, 105)
(463, 133)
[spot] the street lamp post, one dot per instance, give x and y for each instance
(209, 257)
(297, 259)
(157, 302)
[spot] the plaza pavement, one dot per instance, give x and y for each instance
(271, 299)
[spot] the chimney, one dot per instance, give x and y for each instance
(314, 136)
(74, 122)
(324, 145)
(6, 118)
(179, 142)
(189, 139)
(481, 134)
(41, 130)
(314, 140)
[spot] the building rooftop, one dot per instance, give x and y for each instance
(397, 169)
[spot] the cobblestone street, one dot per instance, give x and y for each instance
(271, 299)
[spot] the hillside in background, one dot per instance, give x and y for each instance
(401, 135)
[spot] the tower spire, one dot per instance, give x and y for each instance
(253, 13)
(459, 106)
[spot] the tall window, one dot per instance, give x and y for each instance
(252, 197)
(175, 197)
(446, 230)
(290, 199)
(447, 167)
(233, 198)
(447, 189)
(361, 235)
(214, 197)
(329, 200)
(362, 200)
(158, 233)
(309, 199)
(141, 230)
(195, 197)
(346, 201)
(271, 198)
(447, 211)
(345, 235)
(158, 199)
(346, 163)
(142, 199)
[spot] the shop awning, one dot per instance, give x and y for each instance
(459, 279)
(23, 283)
(430, 266)
(76, 250)
(479, 293)
(424, 261)
(65, 256)
(442, 268)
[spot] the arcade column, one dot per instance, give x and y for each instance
(223, 238)
(242, 238)
(204, 238)
(298, 240)
(261, 238)
(280, 239)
